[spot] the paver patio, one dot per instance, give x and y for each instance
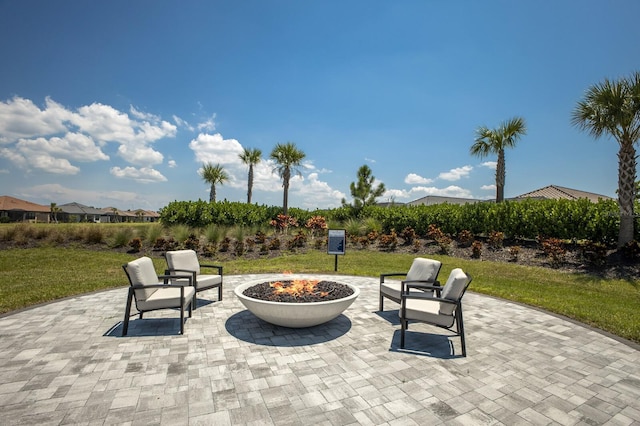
(65, 363)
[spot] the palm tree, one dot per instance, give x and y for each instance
(613, 108)
(250, 157)
(494, 141)
(287, 157)
(213, 175)
(54, 212)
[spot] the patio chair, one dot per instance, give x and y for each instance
(423, 272)
(187, 261)
(443, 310)
(151, 294)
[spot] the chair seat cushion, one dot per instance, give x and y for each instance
(391, 289)
(427, 311)
(167, 297)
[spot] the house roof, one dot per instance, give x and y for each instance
(437, 199)
(10, 203)
(77, 208)
(559, 192)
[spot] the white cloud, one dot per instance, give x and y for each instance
(456, 174)
(315, 193)
(183, 123)
(449, 191)
(215, 149)
(49, 139)
(142, 175)
(141, 155)
(172, 164)
(490, 164)
(209, 125)
(369, 160)
(21, 118)
(488, 187)
(413, 179)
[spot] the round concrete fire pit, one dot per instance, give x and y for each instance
(293, 314)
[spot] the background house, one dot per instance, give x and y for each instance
(16, 210)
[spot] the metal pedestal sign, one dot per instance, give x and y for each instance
(337, 243)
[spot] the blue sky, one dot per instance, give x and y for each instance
(120, 103)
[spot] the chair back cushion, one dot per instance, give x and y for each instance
(424, 269)
(142, 272)
(183, 259)
(453, 290)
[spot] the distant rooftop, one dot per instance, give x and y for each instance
(556, 192)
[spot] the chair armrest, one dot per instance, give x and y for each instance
(166, 277)
(218, 267)
(426, 296)
(391, 274)
(432, 285)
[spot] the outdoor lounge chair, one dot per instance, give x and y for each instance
(186, 261)
(423, 272)
(443, 310)
(151, 294)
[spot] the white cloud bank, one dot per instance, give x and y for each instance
(54, 139)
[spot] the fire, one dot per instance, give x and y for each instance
(298, 287)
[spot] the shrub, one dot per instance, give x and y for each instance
(444, 242)
(593, 253)
(260, 237)
(298, 241)
(225, 244)
(476, 249)
(192, 242)
(238, 247)
(496, 240)
(94, 235)
(514, 251)
(434, 233)
(135, 244)
(122, 237)
(465, 238)
(250, 243)
(274, 244)
(283, 222)
(209, 250)
(389, 241)
(180, 232)
(152, 233)
(409, 235)
(555, 251)
(316, 224)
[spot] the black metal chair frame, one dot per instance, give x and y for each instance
(195, 277)
(457, 317)
(419, 284)
(134, 287)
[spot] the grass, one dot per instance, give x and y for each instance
(35, 275)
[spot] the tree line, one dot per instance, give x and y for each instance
(609, 108)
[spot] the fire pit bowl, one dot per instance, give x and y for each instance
(295, 314)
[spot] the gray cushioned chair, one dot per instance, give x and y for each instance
(150, 293)
(186, 261)
(442, 310)
(423, 272)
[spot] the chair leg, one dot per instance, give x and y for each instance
(220, 292)
(127, 313)
(402, 330)
(381, 308)
(460, 325)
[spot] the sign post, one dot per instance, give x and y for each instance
(336, 244)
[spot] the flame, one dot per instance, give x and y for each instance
(298, 287)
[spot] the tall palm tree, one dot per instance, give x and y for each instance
(213, 175)
(250, 157)
(613, 108)
(494, 141)
(287, 157)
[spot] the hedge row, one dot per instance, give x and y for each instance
(566, 219)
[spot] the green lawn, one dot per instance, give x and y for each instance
(32, 276)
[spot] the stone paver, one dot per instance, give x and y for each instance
(66, 363)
